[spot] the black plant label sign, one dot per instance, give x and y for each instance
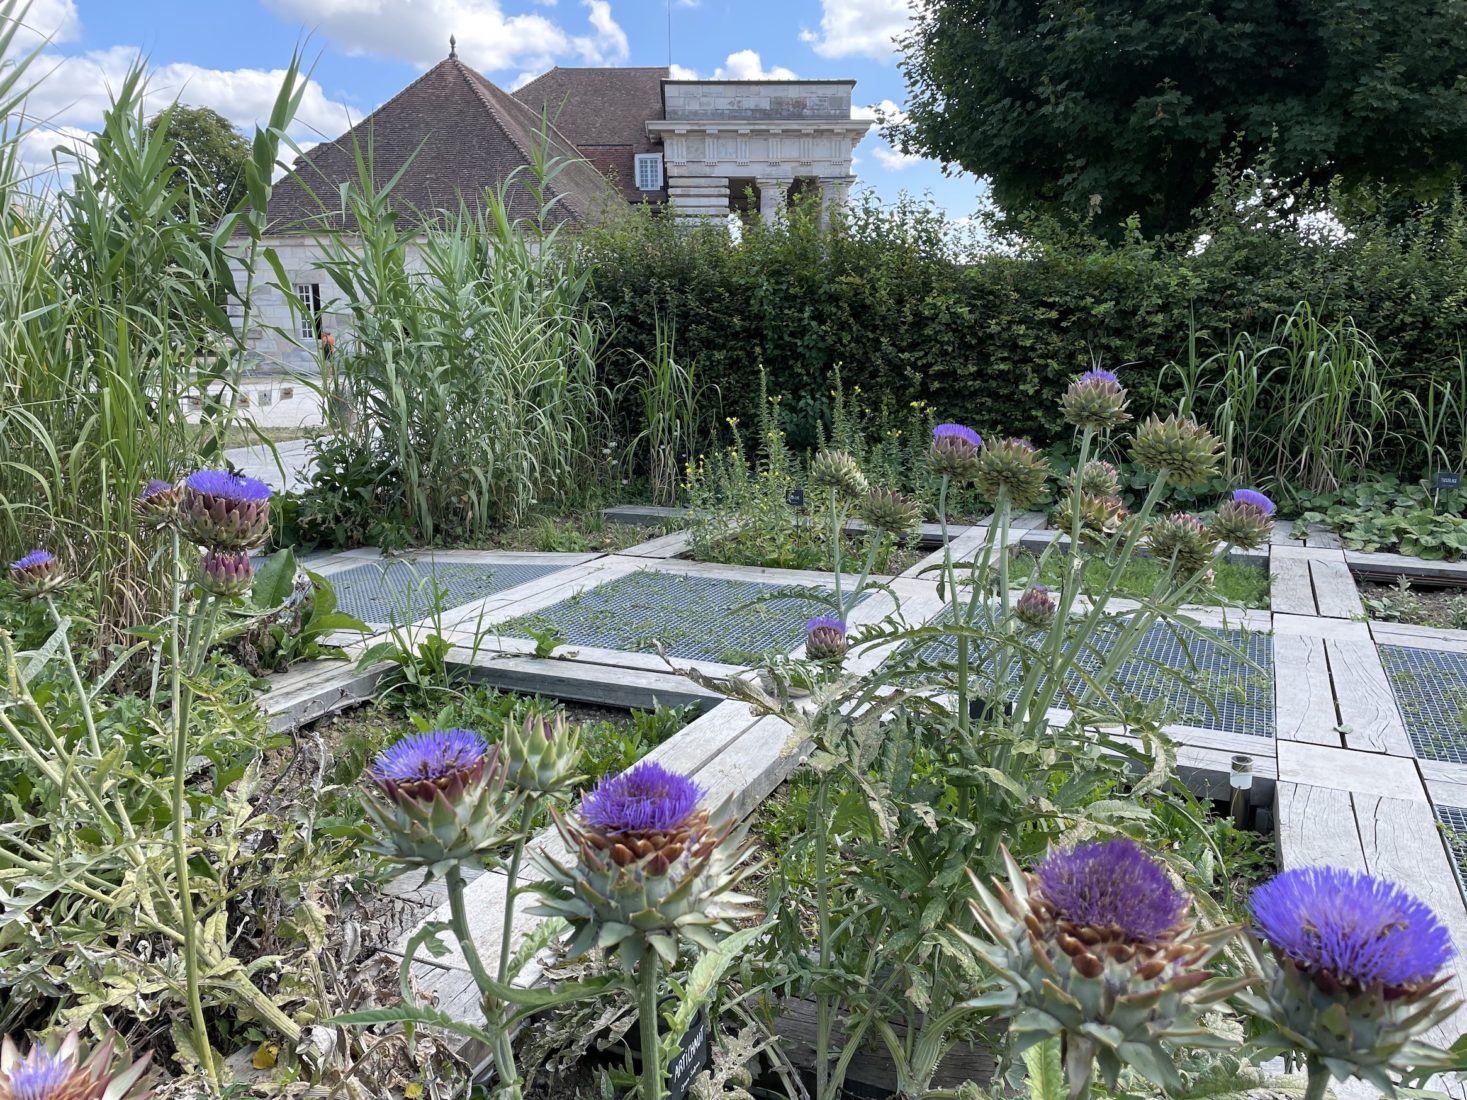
(1446, 479)
(691, 1060)
(795, 498)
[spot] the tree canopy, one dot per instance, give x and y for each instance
(1120, 107)
(210, 153)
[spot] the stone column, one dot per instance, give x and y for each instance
(833, 193)
(772, 194)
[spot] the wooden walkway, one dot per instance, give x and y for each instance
(1345, 784)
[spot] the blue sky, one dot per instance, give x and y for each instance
(226, 54)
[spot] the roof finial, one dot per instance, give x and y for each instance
(452, 48)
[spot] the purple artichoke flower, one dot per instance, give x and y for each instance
(37, 574)
(65, 1074)
(1112, 884)
(1254, 498)
(825, 638)
(1036, 607)
(227, 573)
(226, 511)
(157, 504)
(1351, 928)
(424, 765)
(1095, 401)
(644, 799)
(954, 451)
(1100, 376)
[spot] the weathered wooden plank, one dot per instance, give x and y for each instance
(643, 515)
(1401, 565)
(1334, 590)
(1303, 697)
(632, 688)
(1321, 537)
(1028, 521)
(1317, 627)
(751, 767)
(1289, 590)
(1419, 637)
(296, 708)
(963, 547)
(1283, 535)
(1316, 825)
(1338, 769)
(664, 546)
(1369, 717)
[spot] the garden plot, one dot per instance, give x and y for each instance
(1430, 686)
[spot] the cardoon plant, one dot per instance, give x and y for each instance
(225, 511)
(1094, 946)
(1352, 978)
(825, 638)
(68, 1073)
(37, 575)
(651, 872)
(157, 503)
(1245, 520)
(1095, 401)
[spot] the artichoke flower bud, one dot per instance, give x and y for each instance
(825, 638)
(1099, 479)
(1095, 401)
(68, 1074)
(437, 799)
(837, 471)
(1352, 977)
(889, 511)
(541, 754)
(1179, 445)
(651, 870)
(954, 452)
(225, 511)
(1012, 467)
(1095, 946)
(1036, 607)
(157, 504)
(37, 574)
(1101, 518)
(1246, 520)
(227, 573)
(1182, 537)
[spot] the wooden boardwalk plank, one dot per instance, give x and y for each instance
(1304, 700)
(1289, 590)
(1369, 717)
(1316, 826)
(1322, 537)
(1335, 591)
(665, 546)
(1369, 773)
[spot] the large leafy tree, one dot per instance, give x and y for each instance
(210, 153)
(1115, 107)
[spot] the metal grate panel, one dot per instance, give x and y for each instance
(695, 618)
(1454, 834)
(1430, 687)
(403, 591)
(1202, 683)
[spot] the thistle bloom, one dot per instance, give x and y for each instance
(66, 1074)
(225, 511)
(1352, 980)
(1012, 469)
(226, 573)
(825, 638)
(1095, 947)
(438, 799)
(1095, 401)
(954, 452)
(37, 574)
(1036, 607)
(1187, 451)
(651, 868)
(157, 504)
(1245, 520)
(838, 472)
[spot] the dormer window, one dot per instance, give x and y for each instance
(649, 171)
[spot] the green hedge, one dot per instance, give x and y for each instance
(911, 309)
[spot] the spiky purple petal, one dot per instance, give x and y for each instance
(1100, 376)
(33, 560)
(1112, 884)
(958, 431)
(229, 486)
(1255, 498)
(39, 1076)
(646, 798)
(1360, 929)
(430, 756)
(825, 622)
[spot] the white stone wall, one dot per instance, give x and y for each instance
(757, 100)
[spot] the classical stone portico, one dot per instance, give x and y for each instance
(721, 138)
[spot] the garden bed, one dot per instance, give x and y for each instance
(1416, 603)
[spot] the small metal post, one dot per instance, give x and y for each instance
(1241, 782)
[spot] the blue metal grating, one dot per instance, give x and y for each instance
(403, 591)
(1430, 686)
(1453, 821)
(694, 618)
(1202, 683)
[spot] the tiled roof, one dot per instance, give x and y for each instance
(605, 113)
(462, 135)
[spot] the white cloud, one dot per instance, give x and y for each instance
(867, 27)
(417, 31)
(682, 72)
(47, 19)
(888, 156)
(894, 160)
(745, 65)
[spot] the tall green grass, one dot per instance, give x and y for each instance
(113, 324)
(470, 376)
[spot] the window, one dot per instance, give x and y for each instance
(309, 295)
(649, 171)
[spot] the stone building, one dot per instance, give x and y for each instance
(698, 149)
